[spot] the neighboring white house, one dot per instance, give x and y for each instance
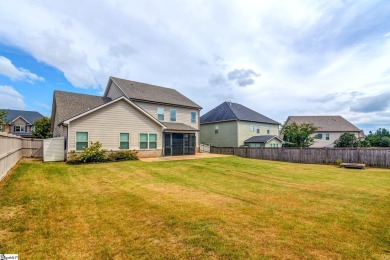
(330, 128)
(153, 120)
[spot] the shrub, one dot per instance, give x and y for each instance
(339, 162)
(123, 155)
(93, 153)
(73, 157)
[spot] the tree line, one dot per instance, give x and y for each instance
(301, 135)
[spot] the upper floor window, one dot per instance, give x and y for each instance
(20, 128)
(327, 136)
(193, 117)
(216, 130)
(251, 128)
(257, 129)
(319, 136)
(268, 131)
(160, 113)
(81, 140)
(173, 115)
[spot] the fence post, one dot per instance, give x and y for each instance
(326, 155)
(300, 155)
(358, 154)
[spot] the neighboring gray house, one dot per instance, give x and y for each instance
(130, 115)
(231, 125)
(20, 122)
(329, 128)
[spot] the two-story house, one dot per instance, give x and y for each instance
(153, 120)
(329, 128)
(231, 125)
(20, 122)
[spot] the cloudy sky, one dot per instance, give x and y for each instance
(279, 58)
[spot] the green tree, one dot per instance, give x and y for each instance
(379, 138)
(42, 128)
(3, 114)
(298, 135)
(347, 140)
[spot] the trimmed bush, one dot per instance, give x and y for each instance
(94, 154)
(123, 155)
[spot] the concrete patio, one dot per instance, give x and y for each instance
(184, 157)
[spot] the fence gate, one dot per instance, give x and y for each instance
(32, 148)
(54, 149)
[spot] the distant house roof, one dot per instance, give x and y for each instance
(228, 111)
(262, 139)
(146, 92)
(326, 123)
(30, 116)
(70, 104)
(178, 127)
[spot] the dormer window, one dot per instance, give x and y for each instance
(20, 128)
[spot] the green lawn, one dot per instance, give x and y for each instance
(211, 208)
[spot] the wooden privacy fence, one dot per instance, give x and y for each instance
(376, 157)
(13, 147)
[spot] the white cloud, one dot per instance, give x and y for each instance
(8, 69)
(43, 105)
(303, 50)
(10, 98)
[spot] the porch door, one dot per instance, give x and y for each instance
(189, 144)
(177, 144)
(168, 144)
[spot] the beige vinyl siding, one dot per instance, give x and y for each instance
(183, 115)
(245, 133)
(333, 136)
(226, 137)
(21, 121)
(107, 123)
(114, 92)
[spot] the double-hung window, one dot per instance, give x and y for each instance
(216, 130)
(268, 130)
(124, 141)
(147, 141)
(319, 136)
(81, 140)
(152, 141)
(257, 129)
(327, 136)
(160, 113)
(193, 117)
(20, 128)
(251, 128)
(143, 141)
(173, 114)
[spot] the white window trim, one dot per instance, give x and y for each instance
(75, 139)
(20, 131)
(163, 113)
(119, 146)
(148, 148)
(193, 122)
(170, 115)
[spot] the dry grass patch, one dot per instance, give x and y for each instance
(222, 208)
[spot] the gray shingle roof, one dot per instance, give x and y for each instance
(326, 123)
(146, 92)
(232, 111)
(30, 116)
(71, 104)
(178, 127)
(260, 138)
